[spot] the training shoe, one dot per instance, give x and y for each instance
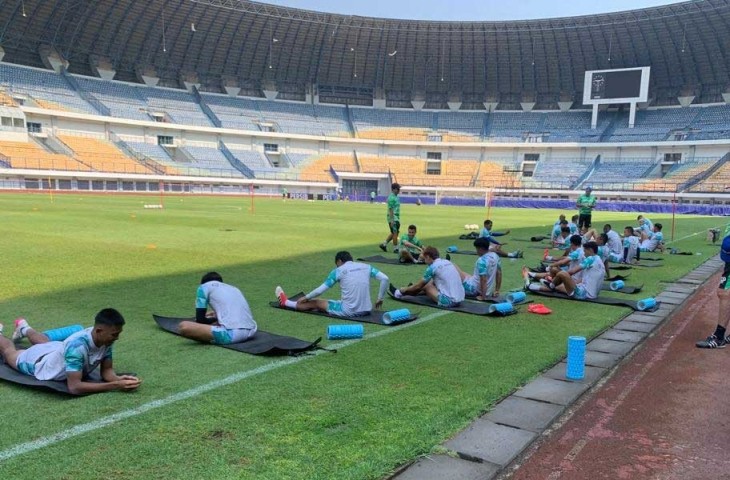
(20, 325)
(448, 257)
(396, 250)
(279, 292)
(546, 254)
(547, 283)
(383, 247)
(1, 328)
(712, 342)
(519, 254)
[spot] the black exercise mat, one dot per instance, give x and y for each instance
(463, 252)
(539, 238)
(627, 288)
(382, 259)
(263, 343)
(376, 316)
(474, 308)
(469, 236)
(602, 300)
(618, 277)
(10, 375)
(652, 259)
(619, 267)
(644, 265)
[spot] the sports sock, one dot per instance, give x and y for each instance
(720, 332)
(535, 287)
(626, 253)
(290, 304)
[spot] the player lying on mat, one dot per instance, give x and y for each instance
(230, 319)
(72, 360)
(410, 247)
(581, 282)
(496, 246)
(654, 241)
(441, 282)
(487, 278)
(354, 279)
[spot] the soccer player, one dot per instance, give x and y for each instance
(230, 320)
(631, 246)
(487, 278)
(496, 247)
(354, 279)
(649, 243)
(393, 218)
(410, 247)
(560, 234)
(573, 225)
(581, 282)
(614, 240)
(441, 281)
(605, 252)
(74, 359)
(585, 203)
(645, 225)
(573, 256)
(718, 339)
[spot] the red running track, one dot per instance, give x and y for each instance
(664, 414)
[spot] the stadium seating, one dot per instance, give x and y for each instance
(30, 155)
(618, 174)
(45, 87)
(318, 170)
(558, 172)
(677, 175)
(496, 174)
(102, 156)
(207, 161)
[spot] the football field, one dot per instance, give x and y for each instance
(208, 412)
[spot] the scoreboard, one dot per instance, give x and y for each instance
(624, 85)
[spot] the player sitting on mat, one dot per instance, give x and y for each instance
(583, 281)
(655, 241)
(631, 246)
(354, 278)
(74, 359)
(560, 235)
(604, 251)
(495, 246)
(410, 247)
(441, 282)
(487, 278)
(230, 320)
(572, 257)
(615, 245)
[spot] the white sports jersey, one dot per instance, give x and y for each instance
(52, 360)
(650, 244)
(354, 279)
(632, 243)
(593, 273)
(231, 307)
(486, 265)
(446, 278)
(576, 257)
(614, 243)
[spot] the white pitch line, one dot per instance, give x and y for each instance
(27, 447)
(688, 236)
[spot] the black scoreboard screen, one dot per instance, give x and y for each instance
(616, 84)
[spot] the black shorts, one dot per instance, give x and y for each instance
(395, 228)
(725, 279)
(584, 221)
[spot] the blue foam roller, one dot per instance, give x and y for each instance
(452, 249)
(516, 297)
(504, 307)
(341, 332)
(646, 304)
(575, 369)
(395, 316)
(617, 285)
(61, 334)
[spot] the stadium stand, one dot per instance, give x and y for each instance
(102, 156)
(207, 161)
(617, 174)
(46, 88)
(32, 156)
(318, 170)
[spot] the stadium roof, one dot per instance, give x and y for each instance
(351, 58)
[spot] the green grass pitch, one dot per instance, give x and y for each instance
(356, 414)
